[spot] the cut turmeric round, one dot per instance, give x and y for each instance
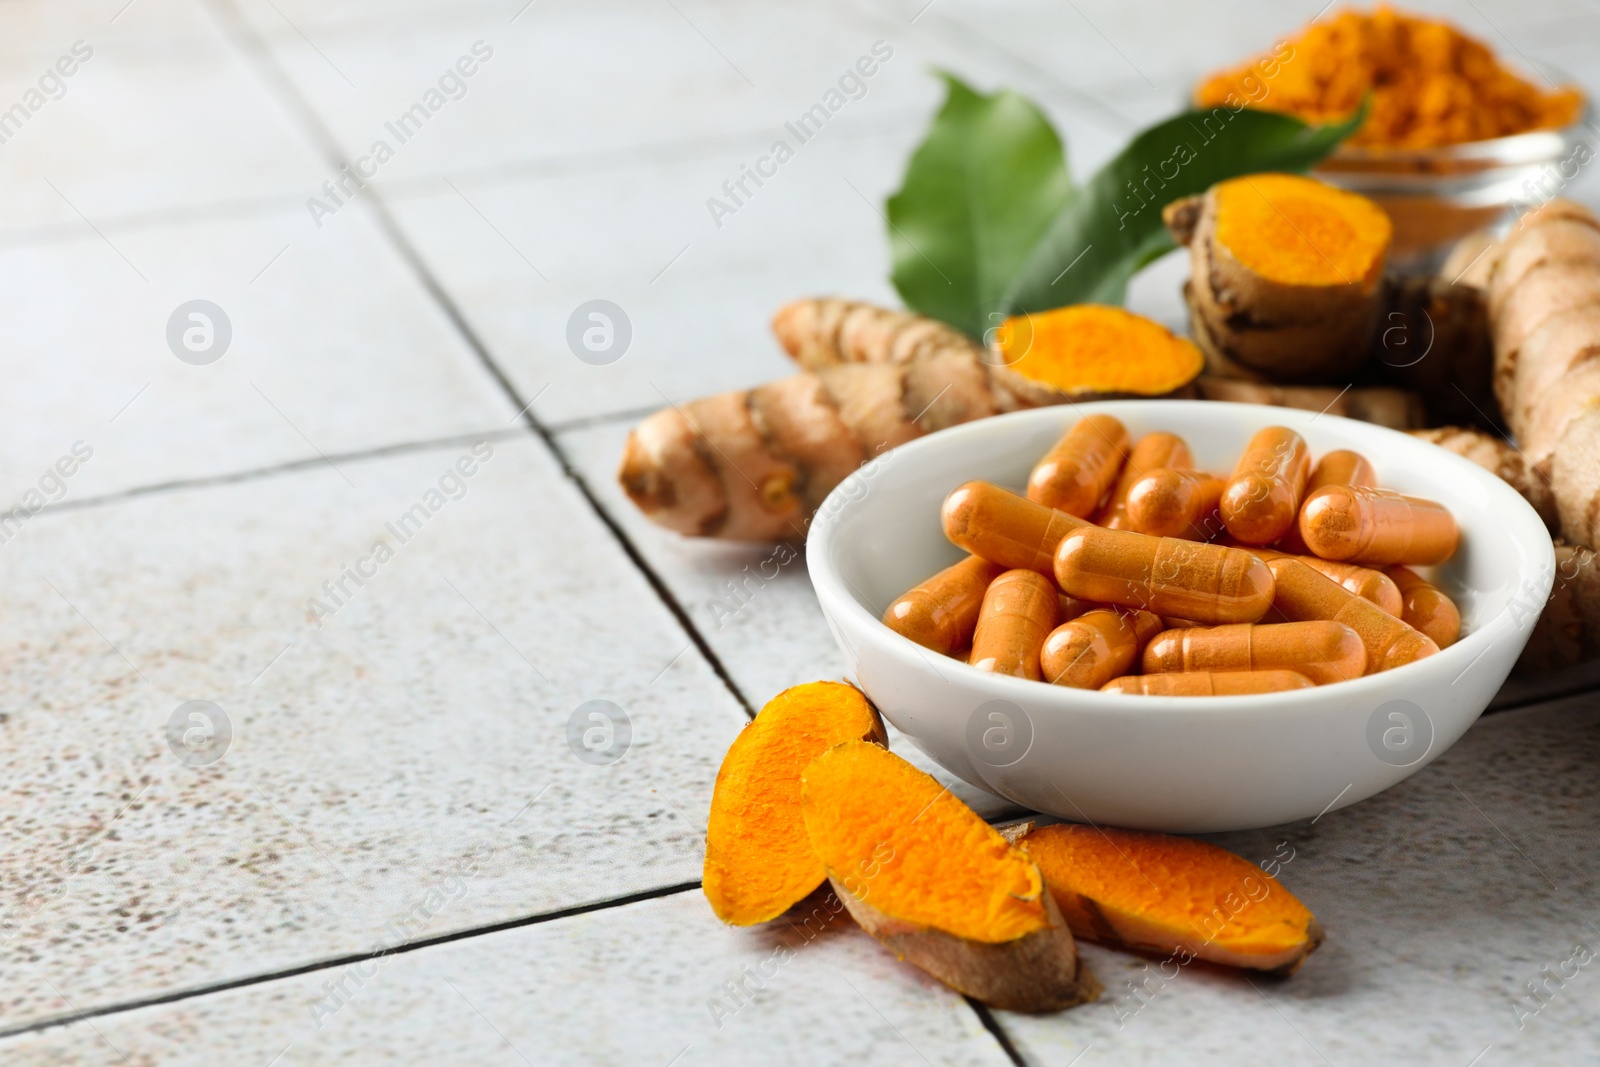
(759, 861)
(1284, 277)
(922, 873)
(1299, 231)
(1172, 895)
(1095, 350)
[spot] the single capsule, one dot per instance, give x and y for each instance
(1208, 683)
(1156, 451)
(1075, 474)
(941, 613)
(1364, 582)
(1188, 579)
(1339, 467)
(1004, 528)
(1425, 607)
(1361, 524)
(1262, 498)
(1018, 612)
(1323, 651)
(1303, 595)
(1096, 647)
(1176, 503)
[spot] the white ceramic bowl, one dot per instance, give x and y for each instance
(1194, 764)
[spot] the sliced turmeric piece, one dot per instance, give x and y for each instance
(759, 861)
(1284, 274)
(1163, 894)
(941, 888)
(1095, 350)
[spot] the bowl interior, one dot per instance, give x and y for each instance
(885, 535)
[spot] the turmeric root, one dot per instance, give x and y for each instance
(1173, 896)
(1568, 630)
(1083, 352)
(1285, 274)
(754, 465)
(1496, 456)
(826, 331)
(759, 861)
(922, 873)
(1394, 408)
(1542, 297)
(1544, 306)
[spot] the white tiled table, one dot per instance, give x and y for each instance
(398, 859)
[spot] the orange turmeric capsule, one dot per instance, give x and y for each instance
(1323, 651)
(1176, 503)
(1208, 683)
(1339, 467)
(1363, 524)
(1075, 474)
(1262, 498)
(942, 612)
(1018, 612)
(1425, 607)
(1303, 595)
(1005, 528)
(1096, 647)
(1364, 582)
(1156, 451)
(1189, 579)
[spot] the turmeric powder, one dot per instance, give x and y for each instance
(1429, 83)
(759, 861)
(1157, 893)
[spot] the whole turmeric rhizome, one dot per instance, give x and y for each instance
(809, 792)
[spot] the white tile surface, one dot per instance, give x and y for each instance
(421, 736)
(162, 115)
(636, 985)
(518, 256)
(770, 635)
(568, 79)
(425, 720)
(335, 348)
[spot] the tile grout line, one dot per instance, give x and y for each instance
(246, 39)
(286, 467)
(347, 960)
(991, 1024)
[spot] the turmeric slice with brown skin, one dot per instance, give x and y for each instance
(1172, 895)
(941, 888)
(1284, 275)
(759, 861)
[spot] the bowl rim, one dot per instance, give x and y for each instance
(838, 601)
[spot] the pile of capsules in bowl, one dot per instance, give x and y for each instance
(1125, 569)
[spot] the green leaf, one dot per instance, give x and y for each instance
(980, 189)
(1113, 225)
